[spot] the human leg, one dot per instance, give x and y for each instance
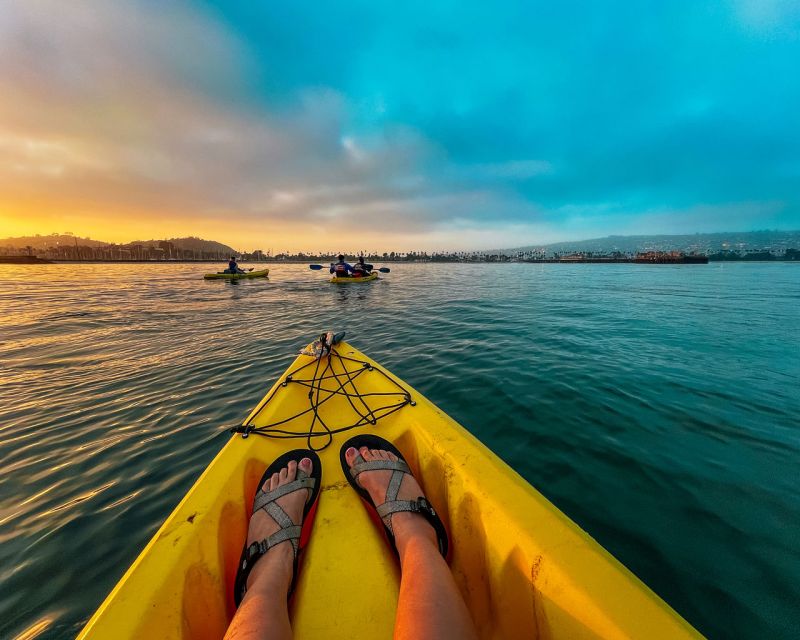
(429, 605)
(263, 612)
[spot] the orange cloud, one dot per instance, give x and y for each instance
(110, 129)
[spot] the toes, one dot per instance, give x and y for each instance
(273, 481)
(391, 456)
(284, 475)
(365, 453)
(291, 470)
(349, 456)
(307, 466)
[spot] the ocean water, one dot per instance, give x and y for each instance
(657, 406)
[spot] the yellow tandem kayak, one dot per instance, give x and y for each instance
(525, 570)
(262, 273)
(350, 280)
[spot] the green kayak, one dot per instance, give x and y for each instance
(263, 273)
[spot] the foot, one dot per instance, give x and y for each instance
(274, 570)
(406, 525)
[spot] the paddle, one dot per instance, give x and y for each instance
(317, 267)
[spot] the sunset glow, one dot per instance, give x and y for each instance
(291, 127)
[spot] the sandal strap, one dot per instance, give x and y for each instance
(390, 503)
(257, 549)
(263, 498)
(420, 506)
(360, 466)
(292, 534)
(393, 488)
(277, 513)
(288, 529)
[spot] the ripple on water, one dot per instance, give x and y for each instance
(656, 406)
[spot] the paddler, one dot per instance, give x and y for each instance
(233, 267)
(341, 269)
(360, 269)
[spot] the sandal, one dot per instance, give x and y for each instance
(390, 504)
(297, 534)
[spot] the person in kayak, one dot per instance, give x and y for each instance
(341, 269)
(429, 605)
(233, 267)
(360, 268)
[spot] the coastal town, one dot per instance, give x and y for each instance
(82, 250)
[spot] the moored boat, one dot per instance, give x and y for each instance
(525, 570)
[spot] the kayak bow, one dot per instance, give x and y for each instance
(525, 570)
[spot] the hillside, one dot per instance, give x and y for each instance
(191, 244)
(45, 242)
(42, 243)
(699, 242)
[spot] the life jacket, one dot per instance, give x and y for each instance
(340, 269)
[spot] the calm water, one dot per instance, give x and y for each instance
(656, 405)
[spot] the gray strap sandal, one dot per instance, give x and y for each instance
(296, 534)
(391, 504)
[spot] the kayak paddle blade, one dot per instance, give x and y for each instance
(315, 267)
(385, 270)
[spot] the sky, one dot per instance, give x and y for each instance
(398, 126)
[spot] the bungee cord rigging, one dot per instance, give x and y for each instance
(330, 375)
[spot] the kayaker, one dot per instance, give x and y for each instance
(341, 269)
(429, 604)
(360, 268)
(233, 267)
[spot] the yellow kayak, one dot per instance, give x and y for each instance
(349, 280)
(525, 570)
(262, 273)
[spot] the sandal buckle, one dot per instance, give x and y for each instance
(255, 550)
(425, 507)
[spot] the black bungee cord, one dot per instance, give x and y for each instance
(368, 407)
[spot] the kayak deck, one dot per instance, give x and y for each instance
(524, 569)
(261, 273)
(350, 280)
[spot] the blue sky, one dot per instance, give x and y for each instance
(408, 125)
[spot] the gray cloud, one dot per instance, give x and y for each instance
(144, 113)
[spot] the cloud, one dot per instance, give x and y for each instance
(281, 121)
(108, 112)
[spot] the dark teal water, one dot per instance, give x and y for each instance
(658, 406)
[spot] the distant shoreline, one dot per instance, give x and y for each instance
(23, 260)
(28, 260)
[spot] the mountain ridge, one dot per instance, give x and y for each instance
(40, 242)
(695, 242)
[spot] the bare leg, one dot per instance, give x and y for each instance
(430, 605)
(264, 611)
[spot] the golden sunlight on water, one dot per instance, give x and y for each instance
(35, 630)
